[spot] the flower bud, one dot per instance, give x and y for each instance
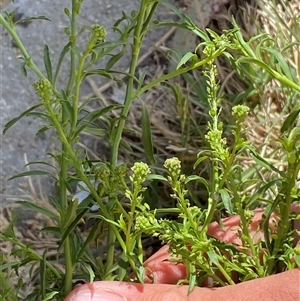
(43, 88)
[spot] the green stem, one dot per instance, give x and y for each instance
(78, 81)
(80, 172)
(177, 73)
(138, 37)
(249, 239)
(37, 256)
(73, 32)
(232, 157)
(250, 57)
(69, 268)
(94, 193)
(182, 201)
(130, 217)
(64, 202)
(284, 222)
(136, 47)
(111, 239)
(29, 62)
(212, 203)
(212, 275)
(225, 274)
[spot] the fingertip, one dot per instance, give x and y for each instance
(87, 292)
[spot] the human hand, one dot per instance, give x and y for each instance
(280, 287)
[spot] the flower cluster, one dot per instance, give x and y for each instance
(147, 223)
(111, 179)
(173, 166)
(97, 35)
(43, 88)
(217, 143)
(240, 112)
(140, 172)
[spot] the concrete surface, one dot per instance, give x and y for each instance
(16, 92)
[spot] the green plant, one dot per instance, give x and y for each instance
(62, 111)
(123, 215)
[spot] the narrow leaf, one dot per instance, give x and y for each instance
(43, 129)
(70, 215)
(192, 277)
(90, 271)
(156, 177)
(25, 20)
(42, 275)
(16, 119)
(188, 56)
(115, 58)
(72, 225)
(90, 237)
(60, 60)
(39, 209)
(291, 118)
(196, 178)
(50, 295)
(147, 135)
(107, 220)
(47, 62)
(213, 258)
(226, 199)
(199, 160)
(262, 162)
(260, 191)
(33, 173)
(125, 145)
(266, 222)
(68, 109)
(95, 131)
(41, 163)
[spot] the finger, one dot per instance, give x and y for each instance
(280, 287)
(160, 270)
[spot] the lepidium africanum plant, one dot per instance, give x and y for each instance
(123, 214)
(119, 198)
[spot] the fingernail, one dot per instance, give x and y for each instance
(106, 296)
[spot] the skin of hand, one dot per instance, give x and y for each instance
(280, 287)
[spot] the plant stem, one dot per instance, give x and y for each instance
(111, 239)
(284, 222)
(225, 274)
(232, 157)
(68, 153)
(78, 81)
(69, 268)
(27, 58)
(177, 72)
(73, 31)
(249, 240)
(136, 47)
(130, 219)
(37, 256)
(64, 202)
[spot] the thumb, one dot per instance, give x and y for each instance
(279, 287)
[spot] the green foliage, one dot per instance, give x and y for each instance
(124, 214)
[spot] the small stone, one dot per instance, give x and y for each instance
(21, 143)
